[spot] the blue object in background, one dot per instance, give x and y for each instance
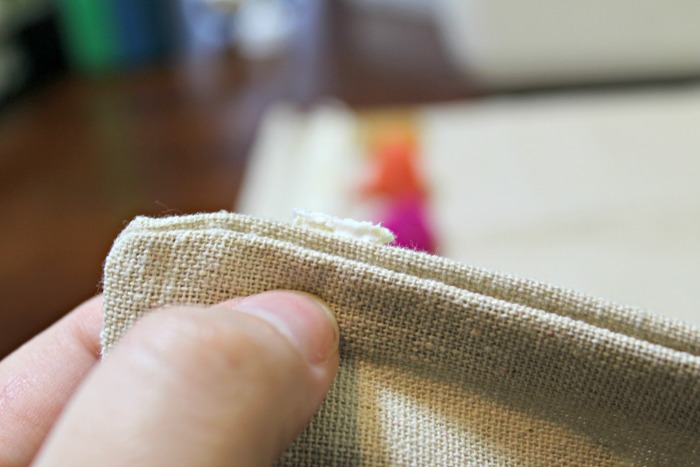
(147, 30)
(136, 34)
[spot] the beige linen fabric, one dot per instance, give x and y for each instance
(441, 363)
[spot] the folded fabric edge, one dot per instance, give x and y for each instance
(645, 362)
(623, 319)
(556, 319)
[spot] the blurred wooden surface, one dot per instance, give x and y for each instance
(82, 156)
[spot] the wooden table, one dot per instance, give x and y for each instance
(82, 156)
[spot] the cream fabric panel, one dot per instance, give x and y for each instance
(440, 362)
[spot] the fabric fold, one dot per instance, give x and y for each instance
(517, 369)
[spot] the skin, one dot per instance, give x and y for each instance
(235, 383)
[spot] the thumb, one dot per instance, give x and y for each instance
(233, 383)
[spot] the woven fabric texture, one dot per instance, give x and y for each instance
(441, 363)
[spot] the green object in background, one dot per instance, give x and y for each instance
(89, 31)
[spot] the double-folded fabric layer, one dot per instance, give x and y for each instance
(441, 363)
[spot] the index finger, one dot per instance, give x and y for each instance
(38, 379)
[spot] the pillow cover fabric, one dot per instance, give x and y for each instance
(441, 363)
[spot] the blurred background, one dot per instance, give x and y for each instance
(556, 140)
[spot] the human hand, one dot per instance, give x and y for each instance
(235, 383)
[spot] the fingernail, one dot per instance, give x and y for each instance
(304, 319)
